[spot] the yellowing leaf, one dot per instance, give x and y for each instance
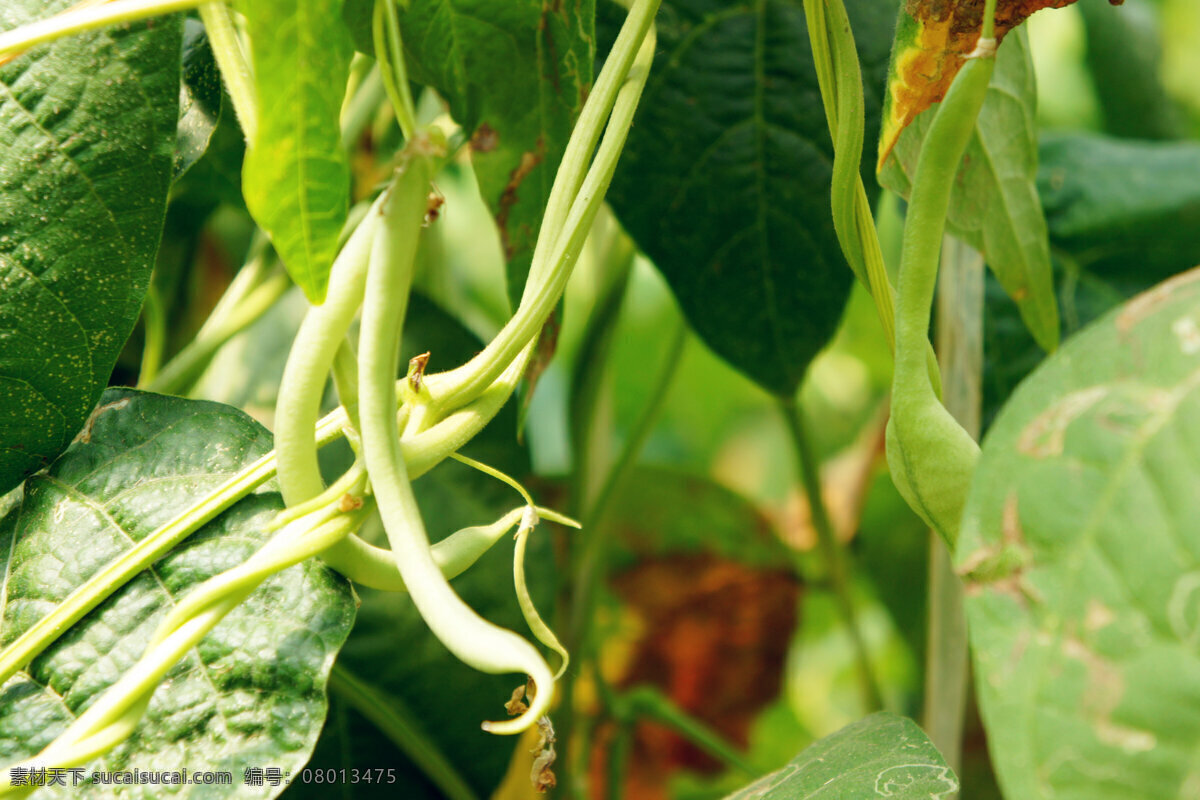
(933, 38)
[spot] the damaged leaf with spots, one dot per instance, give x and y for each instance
(1081, 558)
(933, 39)
(515, 75)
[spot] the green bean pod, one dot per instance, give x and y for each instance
(472, 639)
(930, 456)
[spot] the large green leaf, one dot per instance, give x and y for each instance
(87, 130)
(429, 692)
(1123, 208)
(252, 693)
(994, 206)
(881, 756)
(1122, 217)
(724, 182)
(515, 74)
(1081, 554)
(199, 98)
(296, 177)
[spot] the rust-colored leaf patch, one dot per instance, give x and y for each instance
(933, 38)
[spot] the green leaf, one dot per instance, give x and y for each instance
(1122, 217)
(1123, 208)
(82, 121)
(1124, 55)
(882, 755)
(724, 182)
(995, 206)
(252, 693)
(515, 75)
(438, 698)
(199, 98)
(1081, 557)
(296, 176)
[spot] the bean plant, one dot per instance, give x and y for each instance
(274, 527)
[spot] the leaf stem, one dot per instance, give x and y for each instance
(835, 557)
(154, 333)
(649, 702)
(389, 52)
(397, 722)
(234, 64)
(78, 20)
(960, 345)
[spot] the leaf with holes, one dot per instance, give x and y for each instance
(296, 177)
(724, 182)
(252, 693)
(81, 121)
(881, 756)
(1081, 554)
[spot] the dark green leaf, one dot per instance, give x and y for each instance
(725, 179)
(1123, 208)
(994, 206)
(252, 693)
(1122, 217)
(81, 122)
(1124, 55)
(199, 98)
(515, 74)
(296, 177)
(1081, 556)
(421, 682)
(881, 756)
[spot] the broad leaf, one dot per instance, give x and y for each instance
(515, 74)
(1123, 208)
(994, 206)
(1122, 217)
(881, 756)
(81, 122)
(427, 690)
(724, 182)
(933, 39)
(296, 177)
(252, 693)
(1081, 556)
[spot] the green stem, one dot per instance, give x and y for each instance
(389, 51)
(649, 702)
(960, 345)
(590, 565)
(402, 728)
(154, 332)
(836, 561)
(181, 372)
(234, 64)
(18, 40)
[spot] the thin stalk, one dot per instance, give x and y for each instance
(960, 347)
(154, 332)
(234, 63)
(389, 51)
(836, 561)
(590, 566)
(402, 728)
(648, 702)
(84, 18)
(182, 371)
